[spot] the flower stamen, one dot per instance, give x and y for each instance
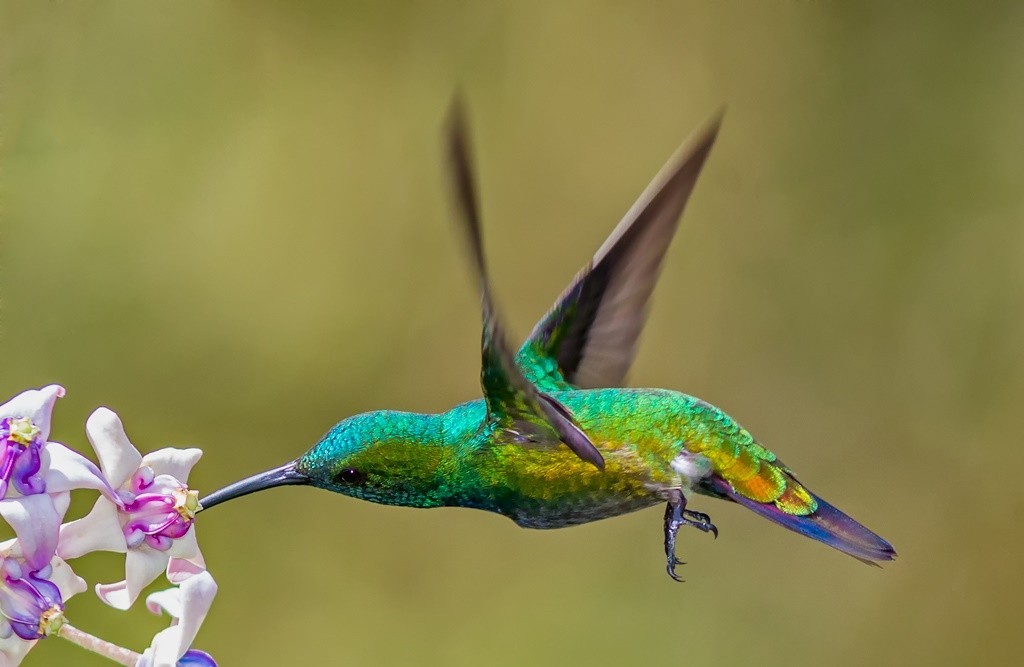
(186, 502)
(22, 430)
(51, 621)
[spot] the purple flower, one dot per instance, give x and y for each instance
(159, 509)
(36, 475)
(187, 605)
(196, 658)
(151, 519)
(31, 602)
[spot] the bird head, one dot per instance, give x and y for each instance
(377, 456)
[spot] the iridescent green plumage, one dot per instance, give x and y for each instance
(460, 458)
(556, 440)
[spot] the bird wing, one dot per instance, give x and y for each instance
(512, 399)
(589, 338)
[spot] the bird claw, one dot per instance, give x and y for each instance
(700, 521)
(677, 516)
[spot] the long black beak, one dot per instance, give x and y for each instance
(286, 474)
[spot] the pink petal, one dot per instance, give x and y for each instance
(118, 457)
(177, 463)
(36, 523)
(36, 404)
(116, 595)
(186, 559)
(67, 470)
(179, 569)
(99, 530)
(142, 566)
(167, 601)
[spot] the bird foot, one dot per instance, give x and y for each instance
(677, 516)
(700, 521)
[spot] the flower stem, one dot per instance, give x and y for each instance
(118, 654)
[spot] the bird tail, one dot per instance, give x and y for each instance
(825, 524)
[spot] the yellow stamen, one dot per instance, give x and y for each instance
(23, 430)
(186, 502)
(51, 621)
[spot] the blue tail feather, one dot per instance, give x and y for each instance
(826, 524)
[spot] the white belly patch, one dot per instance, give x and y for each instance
(692, 467)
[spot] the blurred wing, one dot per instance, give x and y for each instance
(512, 400)
(591, 332)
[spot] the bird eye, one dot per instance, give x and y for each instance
(351, 476)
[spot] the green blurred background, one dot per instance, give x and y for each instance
(227, 222)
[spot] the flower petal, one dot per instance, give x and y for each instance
(194, 598)
(142, 566)
(167, 601)
(36, 522)
(186, 559)
(13, 650)
(99, 530)
(187, 547)
(177, 463)
(61, 501)
(197, 595)
(36, 404)
(165, 647)
(118, 457)
(66, 470)
(66, 580)
(179, 569)
(13, 547)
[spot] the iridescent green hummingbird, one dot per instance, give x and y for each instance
(557, 441)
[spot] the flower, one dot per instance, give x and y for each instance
(188, 605)
(36, 475)
(31, 602)
(24, 428)
(151, 521)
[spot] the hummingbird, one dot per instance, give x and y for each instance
(556, 440)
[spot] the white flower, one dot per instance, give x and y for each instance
(188, 605)
(152, 520)
(36, 475)
(32, 602)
